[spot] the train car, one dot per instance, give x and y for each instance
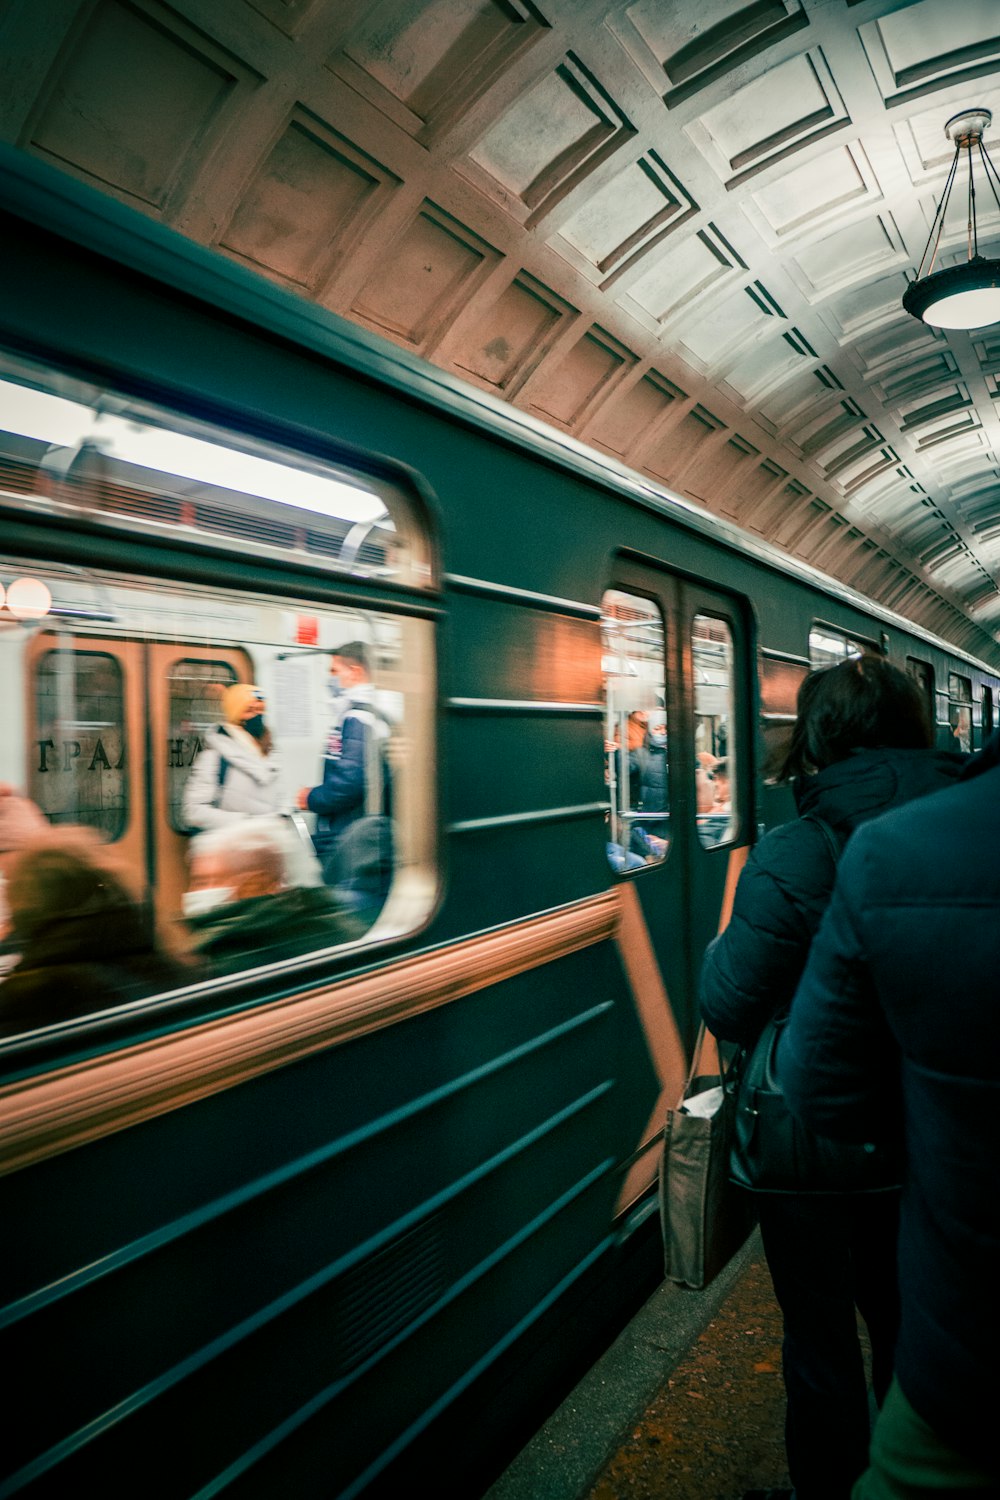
(353, 1211)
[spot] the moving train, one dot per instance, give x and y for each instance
(357, 1215)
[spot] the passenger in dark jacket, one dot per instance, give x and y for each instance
(860, 745)
(896, 1024)
(84, 943)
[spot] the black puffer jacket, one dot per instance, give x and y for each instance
(750, 972)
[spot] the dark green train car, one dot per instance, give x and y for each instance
(353, 1210)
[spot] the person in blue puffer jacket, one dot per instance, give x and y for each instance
(353, 802)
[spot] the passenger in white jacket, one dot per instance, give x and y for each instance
(237, 773)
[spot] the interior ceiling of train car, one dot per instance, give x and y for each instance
(679, 230)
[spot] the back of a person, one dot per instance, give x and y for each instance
(931, 938)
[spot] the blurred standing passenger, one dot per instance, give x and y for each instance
(237, 773)
(85, 943)
(895, 1030)
(353, 802)
(860, 745)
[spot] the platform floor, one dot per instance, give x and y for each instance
(687, 1404)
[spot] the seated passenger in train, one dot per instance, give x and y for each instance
(353, 802)
(84, 943)
(242, 904)
(236, 774)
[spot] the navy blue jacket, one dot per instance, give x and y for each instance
(340, 798)
(751, 970)
(896, 1025)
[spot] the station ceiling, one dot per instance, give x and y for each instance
(677, 229)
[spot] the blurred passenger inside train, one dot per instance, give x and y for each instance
(237, 773)
(859, 746)
(243, 903)
(721, 790)
(85, 943)
(353, 801)
(20, 822)
(889, 1035)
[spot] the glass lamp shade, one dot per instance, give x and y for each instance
(964, 296)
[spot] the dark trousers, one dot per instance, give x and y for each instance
(830, 1255)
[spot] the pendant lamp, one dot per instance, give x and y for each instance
(966, 295)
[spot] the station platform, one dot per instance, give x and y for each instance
(687, 1404)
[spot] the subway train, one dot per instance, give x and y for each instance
(356, 1213)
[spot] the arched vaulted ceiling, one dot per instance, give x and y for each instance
(678, 229)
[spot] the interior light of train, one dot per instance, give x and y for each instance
(67, 424)
(28, 598)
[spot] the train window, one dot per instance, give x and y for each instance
(67, 445)
(987, 712)
(258, 772)
(827, 646)
(635, 731)
(715, 751)
(960, 710)
(923, 675)
(78, 752)
(780, 679)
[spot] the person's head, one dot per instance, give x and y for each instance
(63, 877)
(861, 704)
(657, 732)
(234, 863)
(635, 730)
(720, 778)
(349, 664)
(243, 705)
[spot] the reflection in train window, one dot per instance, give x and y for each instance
(960, 710)
(78, 769)
(827, 646)
(715, 752)
(987, 712)
(781, 676)
(74, 446)
(635, 731)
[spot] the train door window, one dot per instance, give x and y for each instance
(635, 731)
(987, 712)
(923, 675)
(828, 645)
(79, 767)
(960, 710)
(194, 696)
(714, 747)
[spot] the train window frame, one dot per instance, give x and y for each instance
(652, 856)
(922, 673)
(987, 712)
(74, 478)
(728, 836)
(40, 765)
(960, 709)
(853, 643)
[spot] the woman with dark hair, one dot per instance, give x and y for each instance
(860, 745)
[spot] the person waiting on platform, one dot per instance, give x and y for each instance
(859, 745)
(236, 774)
(353, 801)
(890, 1036)
(241, 901)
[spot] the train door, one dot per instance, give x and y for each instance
(186, 683)
(86, 739)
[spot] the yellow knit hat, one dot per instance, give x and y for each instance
(237, 699)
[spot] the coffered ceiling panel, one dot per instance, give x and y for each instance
(679, 229)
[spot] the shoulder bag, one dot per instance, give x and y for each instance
(704, 1217)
